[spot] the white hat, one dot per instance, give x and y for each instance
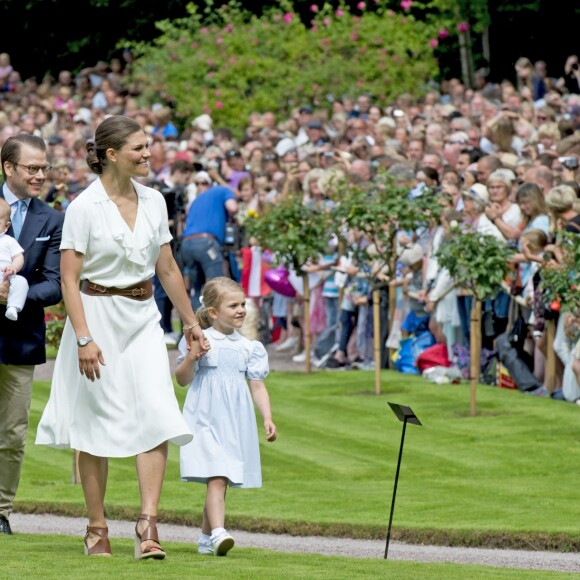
(203, 176)
(203, 122)
(83, 115)
(284, 146)
(411, 255)
(459, 138)
(478, 192)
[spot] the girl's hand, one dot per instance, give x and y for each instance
(271, 432)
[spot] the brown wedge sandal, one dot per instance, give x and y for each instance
(149, 533)
(101, 547)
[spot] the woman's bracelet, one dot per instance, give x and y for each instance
(190, 326)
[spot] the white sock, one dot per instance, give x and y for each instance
(12, 313)
(204, 538)
(217, 532)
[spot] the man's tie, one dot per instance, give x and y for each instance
(18, 218)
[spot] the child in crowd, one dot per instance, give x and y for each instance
(411, 258)
(11, 262)
(219, 410)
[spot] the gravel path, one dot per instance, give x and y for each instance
(50, 524)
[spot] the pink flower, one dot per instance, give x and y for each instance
(219, 40)
(361, 5)
(462, 27)
(210, 63)
(313, 8)
(217, 92)
(443, 33)
(326, 22)
(210, 75)
(232, 59)
(219, 105)
(359, 84)
(339, 12)
(391, 12)
(277, 17)
(433, 43)
(354, 36)
(204, 30)
(406, 4)
(195, 45)
(288, 17)
(314, 28)
(229, 27)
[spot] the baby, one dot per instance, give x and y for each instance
(11, 262)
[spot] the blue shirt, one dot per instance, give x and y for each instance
(207, 214)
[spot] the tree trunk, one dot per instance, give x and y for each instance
(307, 337)
(550, 372)
(475, 349)
(377, 339)
(392, 307)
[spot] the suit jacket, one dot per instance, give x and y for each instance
(23, 342)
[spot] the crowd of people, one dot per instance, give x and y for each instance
(502, 158)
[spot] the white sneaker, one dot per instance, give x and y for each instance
(11, 313)
(204, 547)
(300, 358)
(288, 344)
(170, 339)
(222, 544)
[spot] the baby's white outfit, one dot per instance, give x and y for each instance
(18, 291)
(220, 412)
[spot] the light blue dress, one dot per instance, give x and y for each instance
(220, 412)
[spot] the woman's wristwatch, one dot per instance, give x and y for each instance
(83, 341)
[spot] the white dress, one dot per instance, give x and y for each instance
(220, 412)
(132, 408)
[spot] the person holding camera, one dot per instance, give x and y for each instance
(204, 233)
(571, 77)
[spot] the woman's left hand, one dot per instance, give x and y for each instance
(197, 334)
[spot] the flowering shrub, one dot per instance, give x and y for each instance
(561, 282)
(54, 318)
(228, 63)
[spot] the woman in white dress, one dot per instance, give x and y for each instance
(112, 393)
(219, 408)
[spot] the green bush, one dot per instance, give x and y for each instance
(54, 318)
(229, 63)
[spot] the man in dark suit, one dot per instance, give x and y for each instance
(38, 229)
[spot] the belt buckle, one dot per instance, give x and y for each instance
(138, 292)
(97, 288)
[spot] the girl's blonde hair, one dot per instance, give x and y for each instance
(537, 239)
(211, 297)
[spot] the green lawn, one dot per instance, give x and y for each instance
(57, 557)
(507, 477)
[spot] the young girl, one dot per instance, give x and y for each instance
(219, 410)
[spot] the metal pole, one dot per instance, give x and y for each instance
(395, 488)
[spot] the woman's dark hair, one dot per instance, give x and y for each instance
(112, 133)
(431, 173)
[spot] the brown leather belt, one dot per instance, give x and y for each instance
(192, 236)
(141, 291)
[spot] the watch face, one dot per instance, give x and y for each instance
(84, 340)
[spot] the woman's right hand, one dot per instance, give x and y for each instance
(90, 359)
